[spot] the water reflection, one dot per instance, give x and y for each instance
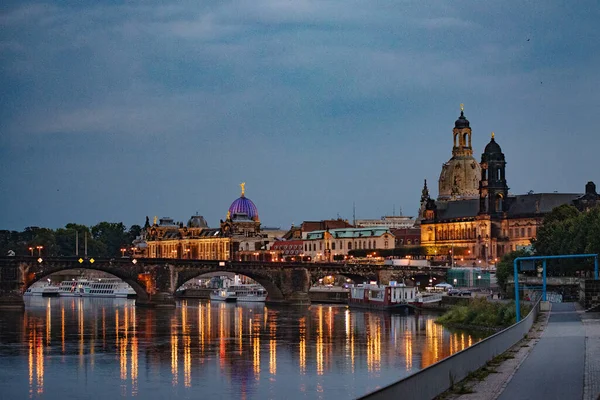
(224, 350)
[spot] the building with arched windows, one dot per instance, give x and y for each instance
(474, 213)
(238, 237)
(325, 245)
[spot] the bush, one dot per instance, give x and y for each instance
(482, 313)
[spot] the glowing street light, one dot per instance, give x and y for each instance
(123, 250)
(39, 248)
(31, 250)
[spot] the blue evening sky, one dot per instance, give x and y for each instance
(115, 110)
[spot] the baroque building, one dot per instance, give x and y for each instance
(237, 237)
(482, 225)
(460, 176)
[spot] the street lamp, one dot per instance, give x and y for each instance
(123, 252)
(31, 250)
(39, 248)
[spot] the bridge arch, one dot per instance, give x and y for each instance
(274, 293)
(128, 277)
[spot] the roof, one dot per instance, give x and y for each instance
(520, 205)
(310, 226)
(348, 233)
(457, 209)
(539, 203)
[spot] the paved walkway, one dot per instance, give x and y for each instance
(555, 367)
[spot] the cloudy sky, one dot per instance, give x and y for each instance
(112, 111)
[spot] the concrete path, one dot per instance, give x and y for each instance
(555, 367)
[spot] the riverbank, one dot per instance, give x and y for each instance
(482, 314)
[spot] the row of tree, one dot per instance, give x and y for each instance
(105, 239)
(564, 231)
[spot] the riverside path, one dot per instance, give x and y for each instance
(555, 367)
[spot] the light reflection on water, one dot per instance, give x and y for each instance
(108, 347)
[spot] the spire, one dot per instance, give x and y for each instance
(424, 192)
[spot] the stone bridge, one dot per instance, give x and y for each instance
(156, 280)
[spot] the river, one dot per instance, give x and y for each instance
(73, 348)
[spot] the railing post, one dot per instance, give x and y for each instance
(544, 282)
(516, 279)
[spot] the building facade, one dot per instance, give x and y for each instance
(390, 221)
(329, 245)
(238, 237)
(485, 226)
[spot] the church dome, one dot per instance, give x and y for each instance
(243, 206)
(459, 179)
(462, 121)
(492, 147)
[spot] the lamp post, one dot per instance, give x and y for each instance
(31, 250)
(39, 248)
(123, 252)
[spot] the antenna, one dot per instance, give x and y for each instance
(400, 210)
(394, 210)
(353, 214)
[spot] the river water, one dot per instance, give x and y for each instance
(74, 348)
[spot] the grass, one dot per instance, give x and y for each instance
(482, 313)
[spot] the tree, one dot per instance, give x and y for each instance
(113, 236)
(134, 231)
(505, 267)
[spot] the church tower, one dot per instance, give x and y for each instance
(459, 179)
(493, 191)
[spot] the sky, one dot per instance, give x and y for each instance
(114, 111)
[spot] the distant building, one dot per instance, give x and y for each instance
(407, 236)
(238, 237)
(387, 222)
(325, 245)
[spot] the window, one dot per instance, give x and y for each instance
(385, 244)
(529, 232)
(320, 245)
(522, 232)
(349, 245)
(333, 246)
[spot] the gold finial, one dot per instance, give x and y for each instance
(462, 107)
(243, 186)
(155, 218)
(492, 135)
(228, 215)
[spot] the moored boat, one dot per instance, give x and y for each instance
(45, 290)
(382, 297)
(223, 295)
(102, 287)
(249, 293)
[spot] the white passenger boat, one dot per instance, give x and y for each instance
(249, 293)
(242, 292)
(223, 295)
(45, 290)
(103, 287)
